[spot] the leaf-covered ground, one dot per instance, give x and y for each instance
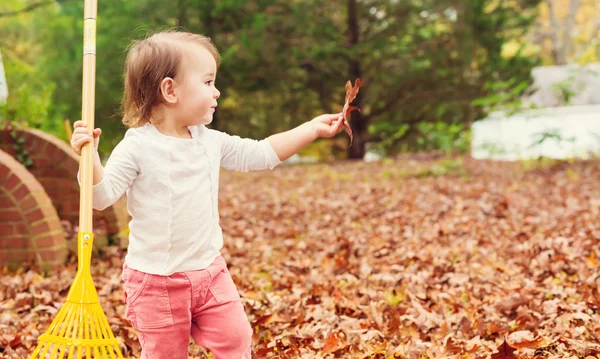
(401, 259)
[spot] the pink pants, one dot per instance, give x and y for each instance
(205, 304)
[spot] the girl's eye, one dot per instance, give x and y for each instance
(209, 82)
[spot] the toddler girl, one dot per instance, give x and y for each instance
(175, 280)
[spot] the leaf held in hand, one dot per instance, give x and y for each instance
(351, 92)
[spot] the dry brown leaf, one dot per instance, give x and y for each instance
(505, 351)
(332, 343)
(591, 261)
(351, 92)
(524, 339)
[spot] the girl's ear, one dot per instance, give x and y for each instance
(167, 90)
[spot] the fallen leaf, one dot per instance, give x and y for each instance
(591, 261)
(525, 339)
(505, 351)
(332, 343)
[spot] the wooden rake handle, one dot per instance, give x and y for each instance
(86, 165)
(85, 239)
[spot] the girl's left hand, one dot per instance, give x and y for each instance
(328, 125)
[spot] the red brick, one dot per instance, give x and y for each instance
(46, 172)
(36, 145)
(71, 165)
(35, 215)
(6, 201)
(22, 229)
(4, 171)
(20, 192)
(45, 241)
(9, 149)
(49, 149)
(28, 203)
(49, 254)
(41, 161)
(55, 155)
(50, 187)
(13, 255)
(72, 207)
(10, 214)
(59, 157)
(7, 229)
(12, 181)
(17, 242)
(40, 228)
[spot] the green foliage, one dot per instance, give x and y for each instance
(565, 88)
(19, 147)
(430, 66)
(453, 137)
(30, 92)
(551, 134)
(325, 150)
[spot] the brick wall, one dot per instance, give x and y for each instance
(30, 229)
(55, 166)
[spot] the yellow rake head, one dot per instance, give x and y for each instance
(80, 329)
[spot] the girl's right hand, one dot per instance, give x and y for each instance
(81, 136)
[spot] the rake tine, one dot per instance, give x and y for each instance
(71, 351)
(46, 348)
(68, 331)
(54, 351)
(98, 333)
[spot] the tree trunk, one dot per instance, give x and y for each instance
(562, 40)
(574, 6)
(358, 121)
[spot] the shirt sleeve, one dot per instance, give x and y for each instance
(122, 167)
(244, 154)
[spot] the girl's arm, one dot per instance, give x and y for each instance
(122, 167)
(242, 154)
(290, 142)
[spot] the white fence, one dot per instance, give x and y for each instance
(569, 132)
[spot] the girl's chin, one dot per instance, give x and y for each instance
(205, 120)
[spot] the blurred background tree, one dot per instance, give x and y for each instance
(567, 31)
(431, 67)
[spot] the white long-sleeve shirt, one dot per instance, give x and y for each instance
(172, 187)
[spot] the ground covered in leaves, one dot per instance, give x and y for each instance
(447, 258)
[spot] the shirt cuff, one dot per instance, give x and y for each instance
(272, 156)
(96, 187)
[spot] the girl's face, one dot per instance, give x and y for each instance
(197, 95)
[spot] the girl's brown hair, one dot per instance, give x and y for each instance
(148, 62)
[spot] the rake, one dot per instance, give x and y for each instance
(80, 329)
